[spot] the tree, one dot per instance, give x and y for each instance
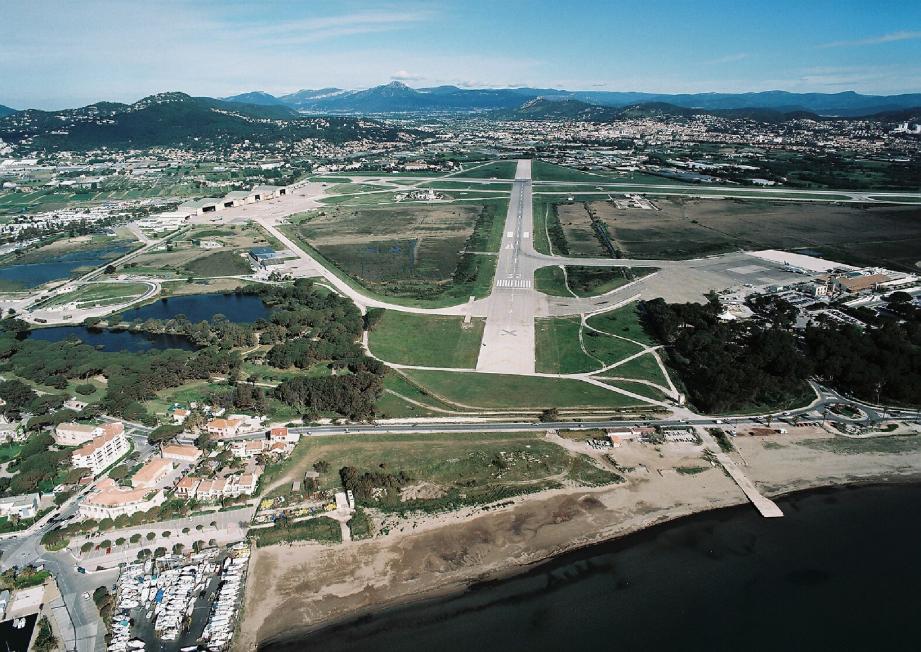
(110, 269)
(550, 415)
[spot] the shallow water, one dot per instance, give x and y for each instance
(841, 571)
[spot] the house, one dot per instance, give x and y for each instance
(151, 473)
(180, 415)
(74, 434)
(243, 484)
(282, 434)
(100, 453)
(109, 501)
(24, 506)
(180, 453)
(248, 449)
(187, 486)
(223, 427)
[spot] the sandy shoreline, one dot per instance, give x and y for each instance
(298, 588)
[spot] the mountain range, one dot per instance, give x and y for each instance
(397, 97)
(177, 119)
(5, 111)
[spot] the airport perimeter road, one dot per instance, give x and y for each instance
(508, 337)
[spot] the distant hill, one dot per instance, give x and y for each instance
(177, 119)
(569, 109)
(5, 111)
(260, 98)
(396, 97)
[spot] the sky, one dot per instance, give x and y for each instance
(63, 53)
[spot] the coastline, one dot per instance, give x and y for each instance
(323, 587)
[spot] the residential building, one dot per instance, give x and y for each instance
(151, 473)
(223, 427)
(100, 453)
(110, 501)
(74, 434)
(180, 415)
(187, 486)
(24, 506)
(180, 453)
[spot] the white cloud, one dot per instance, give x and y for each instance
(875, 40)
(729, 58)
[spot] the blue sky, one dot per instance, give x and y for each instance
(55, 54)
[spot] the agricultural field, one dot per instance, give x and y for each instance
(497, 391)
(426, 340)
(687, 228)
(415, 252)
(577, 230)
(579, 281)
(442, 471)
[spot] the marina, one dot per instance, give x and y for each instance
(180, 603)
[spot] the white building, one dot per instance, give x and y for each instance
(101, 453)
(74, 434)
(110, 501)
(24, 506)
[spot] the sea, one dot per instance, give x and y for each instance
(841, 571)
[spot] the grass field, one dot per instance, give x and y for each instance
(637, 388)
(426, 340)
(624, 322)
(183, 258)
(544, 171)
(585, 281)
(220, 263)
(391, 405)
(322, 529)
(515, 392)
(643, 367)
(560, 352)
(99, 294)
(686, 228)
(446, 470)
(577, 229)
(496, 169)
(414, 255)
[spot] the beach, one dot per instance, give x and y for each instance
(299, 587)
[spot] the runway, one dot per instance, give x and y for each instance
(508, 337)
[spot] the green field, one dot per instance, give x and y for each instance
(426, 256)
(426, 340)
(544, 171)
(496, 169)
(220, 263)
(642, 367)
(99, 294)
(583, 281)
(637, 388)
(624, 322)
(559, 350)
(322, 529)
(442, 471)
(515, 392)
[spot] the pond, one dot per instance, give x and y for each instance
(238, 308)
(30, 275)
(112, 341)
